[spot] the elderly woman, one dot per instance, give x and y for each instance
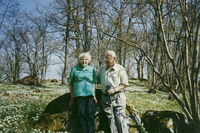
(82, 80)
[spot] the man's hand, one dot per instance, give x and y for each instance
(111, 91)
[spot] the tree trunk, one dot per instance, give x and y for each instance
(138, 69)
(65, 71)
(87, 25)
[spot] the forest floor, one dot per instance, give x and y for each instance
(21, 105)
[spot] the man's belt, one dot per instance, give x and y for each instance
(113, 94)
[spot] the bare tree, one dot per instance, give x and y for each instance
(37, 47)
(87, 18)
(8, 15)
(65, 71)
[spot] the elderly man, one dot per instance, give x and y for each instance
(113, 80)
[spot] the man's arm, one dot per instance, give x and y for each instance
(116, 89)
(98, 76)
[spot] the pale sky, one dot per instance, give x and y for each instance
(29, 4)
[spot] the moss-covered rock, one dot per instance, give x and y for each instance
(164, 122)
(57, 116)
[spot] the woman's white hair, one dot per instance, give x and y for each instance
(86, 55)
(112, 53)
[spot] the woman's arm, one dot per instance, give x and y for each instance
(95, 100)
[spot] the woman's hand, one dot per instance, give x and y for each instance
(95, 101)
(71, 103)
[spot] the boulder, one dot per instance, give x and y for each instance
(28, 80)
(164, 122)
(58, 116)
(48, 80)
(54, 80)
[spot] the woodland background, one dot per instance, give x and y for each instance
(157, 36)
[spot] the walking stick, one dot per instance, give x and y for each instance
(111, 99)
(111, 106)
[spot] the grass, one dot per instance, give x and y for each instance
(159, 102)
(21, 106)
(143, 101)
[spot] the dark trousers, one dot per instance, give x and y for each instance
(84, 108)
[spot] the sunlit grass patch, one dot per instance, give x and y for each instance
(150, 101)
(144, 101)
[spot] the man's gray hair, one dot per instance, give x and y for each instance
(87, 55)
(112, 53)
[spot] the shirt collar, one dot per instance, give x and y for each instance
(112, 68)
(81, 68)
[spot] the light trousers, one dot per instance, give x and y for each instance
(118, 124)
